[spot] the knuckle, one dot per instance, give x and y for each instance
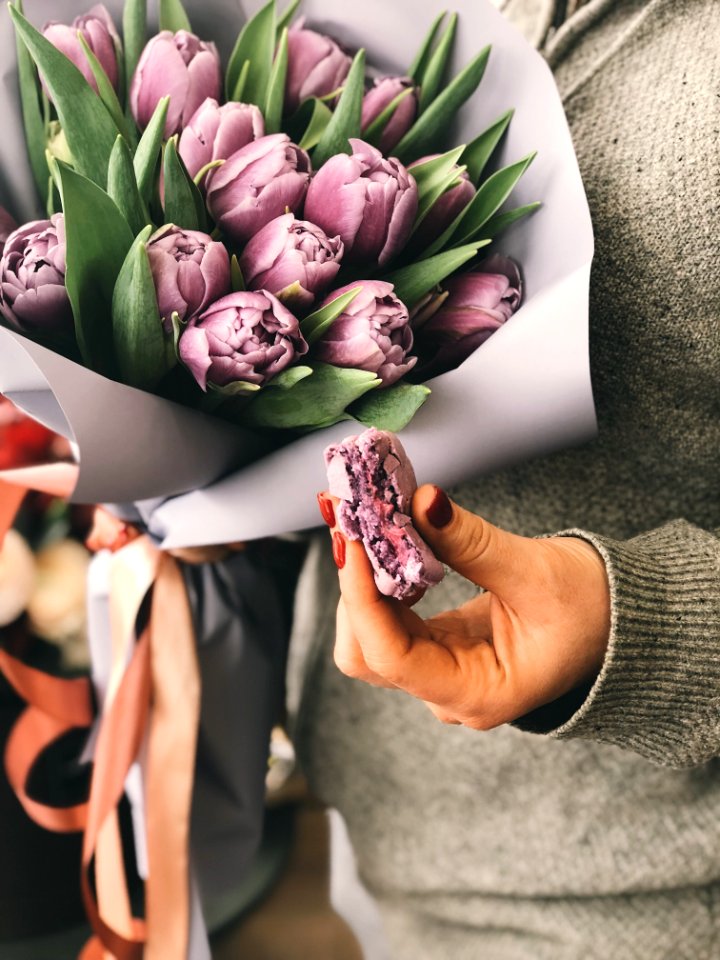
(475, 539)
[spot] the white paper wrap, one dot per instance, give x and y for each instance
(525, 392)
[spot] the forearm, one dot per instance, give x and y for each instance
(658, 692)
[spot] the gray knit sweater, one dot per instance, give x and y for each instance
(601, 839)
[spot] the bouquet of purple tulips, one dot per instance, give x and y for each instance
(286, 247)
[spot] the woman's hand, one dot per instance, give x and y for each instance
(539, 631)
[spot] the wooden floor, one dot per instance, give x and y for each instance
(296, 921)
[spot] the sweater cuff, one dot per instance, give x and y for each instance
(658, 692)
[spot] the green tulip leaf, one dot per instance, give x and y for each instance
(501, 221)
(315, 325)
(423, 134)
(204, 171)
(289, 377)
(173, 16)
(433, 178)
(441, 242)
(54, 169)
(98, 240)
(414, 281)
(238, 388)
(178, 326)
(285, 18)
(236, 278)
(123, 188)
(33, 119)
(184, 205)
(293, 296)
(346, 121)
(134, 34)
(89, 129)
(488, 200)
(374, 131)
(416, 70)
(144, 352)
(54, 202)
(309, 122)
(255, 47)
(239, 91)
(107, 93)
(315, 401)
(276, 87)
(478, 152)
(391, 408)
(434, 73)
(148, 151)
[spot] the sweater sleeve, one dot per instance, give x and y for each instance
(658, 692)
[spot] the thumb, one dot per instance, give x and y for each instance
(484, 554)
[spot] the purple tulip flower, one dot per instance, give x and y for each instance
(32, 278)
(190, 270)
(477, 304)
(176, 65)
(247, 337)
(379, 98)
(372, 334)
(445, 209)
(290, 253)
(257, 184)
(100, 34)
(370, 202)
(215, 133)
(316, 66)
(7, 226)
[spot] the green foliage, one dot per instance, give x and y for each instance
(143, 351)
(98, 239)
(346, 121)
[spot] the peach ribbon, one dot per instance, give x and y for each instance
(158, 692)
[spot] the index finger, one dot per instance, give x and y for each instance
(395, 642)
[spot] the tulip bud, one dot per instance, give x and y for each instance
(316, 66)
(379, 98)
(446, 208)
(247, 336)
(190, 270)
(373, 333)
(291, 253)
(178, 65)
(99, 33)
(32, 278)
(370, 202)
(7, 226)
(216, 133)
(477, 304)
(258, 184)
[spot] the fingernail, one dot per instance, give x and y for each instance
(326, 509)
(440, 511)
(338, 544)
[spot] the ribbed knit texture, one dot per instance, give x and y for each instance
(601, 840)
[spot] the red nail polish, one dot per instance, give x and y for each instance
(338, 546)
(440, 511)
(326, 509)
